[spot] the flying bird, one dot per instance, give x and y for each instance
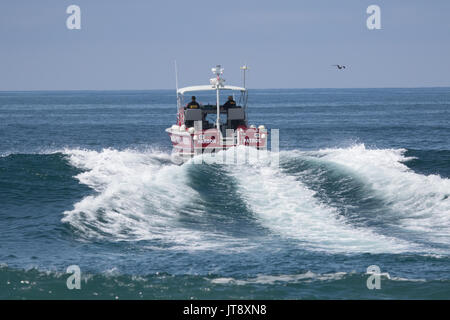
(339, 66)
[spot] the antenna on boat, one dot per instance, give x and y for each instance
(176, 83)
(217, 83)
(244, 68)
(244, 96)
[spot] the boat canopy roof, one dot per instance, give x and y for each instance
(209, 87)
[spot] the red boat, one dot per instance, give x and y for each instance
(195, 134)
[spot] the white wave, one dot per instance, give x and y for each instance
(138, 198)
(302, 277)
(419, 203)
(287, 207)
(406, 279)
(33, 151)
(288, 278)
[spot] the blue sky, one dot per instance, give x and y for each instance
(287, 44)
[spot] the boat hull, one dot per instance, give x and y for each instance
(192, 143)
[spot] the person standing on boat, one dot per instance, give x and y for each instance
(193, 104)
(230, 103)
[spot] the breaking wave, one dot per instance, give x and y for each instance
(417, 204)
(138, 196)
(144, 196)
(286, 206)
(302, 277)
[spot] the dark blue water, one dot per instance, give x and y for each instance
(86, 178)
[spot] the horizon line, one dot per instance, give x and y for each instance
(165, 89)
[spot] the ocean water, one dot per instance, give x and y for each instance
(87, 179)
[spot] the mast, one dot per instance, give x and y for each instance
(244, 68)
(217, 82)
(176, 84)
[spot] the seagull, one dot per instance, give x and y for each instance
(339, 66)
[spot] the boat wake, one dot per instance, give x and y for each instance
(138, 196)
(285, 205)
(415, 204)
(349, 200)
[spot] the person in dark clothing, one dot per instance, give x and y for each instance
(193, 104)
(230, 103)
